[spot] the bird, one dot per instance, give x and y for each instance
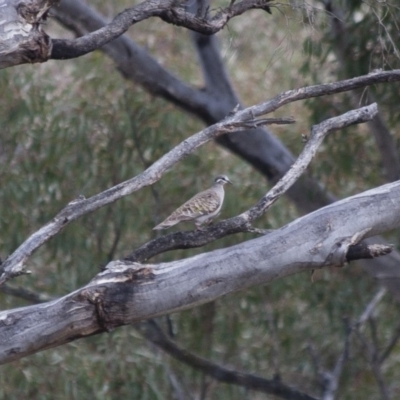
(201, 208)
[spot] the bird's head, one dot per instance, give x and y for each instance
(222, 179)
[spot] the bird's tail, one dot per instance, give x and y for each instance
(165, 225)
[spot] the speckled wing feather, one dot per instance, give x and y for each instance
(203, 203)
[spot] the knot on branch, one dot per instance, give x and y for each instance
(124, 271)
(37, 48)
(113, 289)
(350, 249)
(368, 251)
(32, 12)
(96, 297)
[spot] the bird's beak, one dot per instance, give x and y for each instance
(229, 181)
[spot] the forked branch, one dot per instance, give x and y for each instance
(152, 332)
(242, 223)
(14, 265)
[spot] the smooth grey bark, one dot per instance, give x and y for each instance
(130, 292)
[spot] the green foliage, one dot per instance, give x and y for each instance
(363, 38)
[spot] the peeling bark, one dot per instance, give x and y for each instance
(22, 39)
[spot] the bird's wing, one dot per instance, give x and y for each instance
(201, 204)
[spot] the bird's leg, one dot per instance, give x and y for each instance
(198, 226)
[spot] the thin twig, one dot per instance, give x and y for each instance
(371, 348)
(242, 222)
(14, 265)
(25, 294)
(165, 9)
(391, 345)
(332, 383)
(154, 334)
(369, 309)
(372, 354)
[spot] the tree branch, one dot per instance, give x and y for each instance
(371, 348)
(14, 264)
(22, 39)
(242, 223)
(210, 25)
(364, 251)
(152, 332)
(330, 379)
(127, 292)
(65, 49)
(259, 148)
(373, 358)
(369, 309)
(25, 294)
(391, 345)
(26, 19)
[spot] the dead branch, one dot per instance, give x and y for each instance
(126, 292)
(168, 10)
(152, 332)
(242, 223)
(28, 42)
(14, 265)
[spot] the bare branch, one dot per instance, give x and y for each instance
(14, 264)
(329, 380)
(372, 354)
(242, 223)
(152, 332)
(126, 292)
(22, 39)
(260, 148)
(317, 363)
(332, 383)
(27, 42)
(371, 348)
(210, 25)
(63, 49)
(255, 123)
(369, 309)
(318, 133)
(391, 345)
(25, 294)
(364, 251)
(179, 392)
(165, 9)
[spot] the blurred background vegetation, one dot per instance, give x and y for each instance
(77, 127)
